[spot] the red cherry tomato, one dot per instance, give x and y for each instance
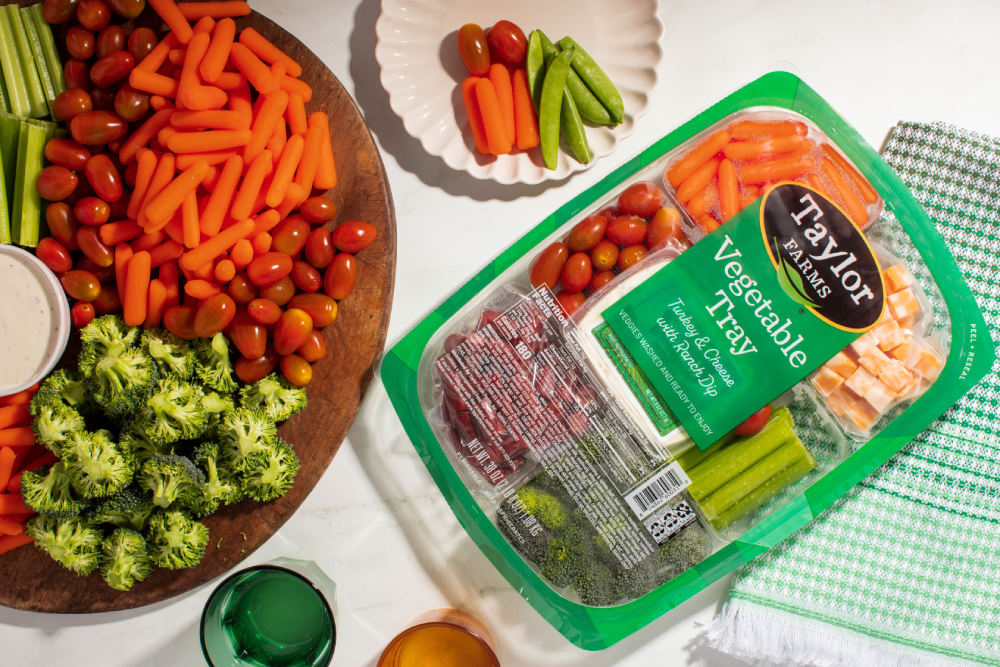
(665, 225)
(108, 302)
(264, 311)
(62, 224)
(291, 331)
(112, 68)
(604, 255)
(627, 230)
(77, 75)
(600, 279)
(296, 370)
(179, 320)
(251, 370)
(70, 103)
(321, 308)
(576, 273)
(548, 265)
(93, 14)
(570, 301)
(628, 257)
(587, 233)
(81, 285)
(80, 43)
(754, 422)
(241, 289)
(289, 235)
(141, 42)
(305, 277)
(248, 335)
(95, 128)
(508, 42)
(314, 348)
(104, 274)
(55, 183)
(130, 104)
(642, 199)
(92, 211)
(54, 255)
(67, 153)
(104, 100)
(214, 315)
(318, 210)
(103, 176)
(59, 11)
(109, 40)
(473, 49)
(269, 268)
(280, 292)
(341, 276)
(609, 212)
(319, 248)
(81, 314)
(128, 9)
(353, 236)
(89, 241)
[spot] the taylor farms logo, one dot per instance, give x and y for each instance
(823, 262)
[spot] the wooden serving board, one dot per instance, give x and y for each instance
(32, 581)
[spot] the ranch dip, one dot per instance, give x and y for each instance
(28, 323)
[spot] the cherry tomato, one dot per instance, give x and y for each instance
(628, 257)
(80, 43)
(318, 210)
(81, 285)
(89, 240)
(130, 173)
(754, 422)
(141, 42)
(269, 268)
(179, 320)
(55, 183)
(70, 103)
(128, 9)
(104, 274)
(319, 248)
(280, 292)
(112, 68)
(214, 315)
(62, 225)
(59, 11)
(576, 272)
(353, 236)
(600, 279)
(108, 301)
(627, 230)
(95, 128)
(296, 370)
(321, 308)
(473, 49)
(67, 153)
(292, 329)
(587, 233)
(92, 210)
(665, 225)
(305, 277)
(604, 255)
(508, 42)
(570, 301)
(83, 189)
(609, 212)
(248, 335)
(81, 314)
(264, 311)
(119, 209)
(104, 100)
(251, 370)
(341, 276)
(548, 265)
(54, 255)
(109, 40)
(104, 178)
(642, 199)
(130, 104)
(77, 75)
(241, 289)
(93, 14)
(289, 235)
(314, 348)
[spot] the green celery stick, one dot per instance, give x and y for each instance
(10, 61)
(33, 84)
(720, 468)
(4, 211)
(572, 127)
(550, 108)
(10, 132)
(752, 478)
(587, 105)
(4, 95)
(38, 54)
(26, 217)
(762, 494)
(595, 78)
(49, 51)
(694, 456)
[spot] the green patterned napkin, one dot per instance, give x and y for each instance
(905, 569)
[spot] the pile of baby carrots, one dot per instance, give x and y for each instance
(734, 166)
(18, 453)
(500, 111)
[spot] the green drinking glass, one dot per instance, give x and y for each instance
(279, 614)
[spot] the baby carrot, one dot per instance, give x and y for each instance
(15, 399)
(265, 222)
(296, 114)
(213, 158)
(326, 170)
(855, 209)
(291, 85)
(215, 119)
(696, 158)
(474, 114)
(9, 503)
(698, 180)
(205, 272)
(16, 436)
(256, 72)
(261, 244)
(259, 169)
(141, 136)
(752, 150)
(218, 203)
(709, 223)
(159, 103)
(14, 415)
(230, 81)
(752, 129)
(293, 199)
(163, 135)
(9, 527)
(700, 203)
(123, 253)
(287, 164)
(155, 58)
(864, 187)
(136, 289)
(493, 121)
(215, 140)
(148, 241)
(177, 56)
(239, 100)
(210, 249)
(268, 52)
(161, 178)
(7, 457)
(211, 178)
(500, 78)
(817, 184)
(306, 173)
(729, 190)
(153, 83)
(778, 169)
(172, 16)
(225, 271)
(175, 228)
(170, 279)
(189, 218)
(206, 24)
(242, 254)
(278, 74)
(113, 233)
(525, 121)
(276, 144)
(271, 111)
(193, 11)
(749, 196)
(215, 58)
(9, 542)
(159, 210)
(154, 305)
(201, 289)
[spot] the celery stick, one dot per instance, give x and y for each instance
(694, 456)
(37, 52)
(27, 215)
(752, 478)
(726, 464)
(4, 95)
(49, 50)
(10, 131)
(4, 211)
(762, 494)
(11, 62)
(36, 96)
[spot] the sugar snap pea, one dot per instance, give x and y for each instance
(551, 105)
(587, 105)
(596, 79)
(535, 65)
(576, 135)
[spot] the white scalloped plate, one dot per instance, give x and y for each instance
(422, 72)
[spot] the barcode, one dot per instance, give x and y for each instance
(668, 483)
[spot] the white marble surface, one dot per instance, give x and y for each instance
(375, 522)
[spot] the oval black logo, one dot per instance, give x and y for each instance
(823, 261)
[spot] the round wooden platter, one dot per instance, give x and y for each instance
(32, 581)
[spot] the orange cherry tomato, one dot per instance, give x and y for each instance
(55, 183)
(318, 210)
(642, 199)
(62, 224)
(319, 248)
(81, 285)
(341, 276)
(263, 311)
(67, 153)
(305, 277)
(576, 273)
(280, 292)
(241, 289)
(54, 255)
(548, 265)
(179, 321)
(251, 370)
(214, 315)
(289, 236)
(570, 301)
(248, 335)
(353, 236)
(314, 348)
(604, 255)
(600, 279)
(626, 230)
(473, 49)
(269, 268)
(628, 257)
(108, 301)
(89, 241)
(321, 308)
(71, 103)
(665, 225)
(81, 314)
(103, 176)
(296, 370)
(291, 331)
(587, 233)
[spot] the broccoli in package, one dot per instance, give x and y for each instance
(668, 376)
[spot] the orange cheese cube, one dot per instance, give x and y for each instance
(902, 351)
(927, 363)
(860, 382)
(897, 278)
(913, 388)
(889, 335)
(903, 304)
(862, 414)
(895, 376)
(840, 400)
(842, 364)
(864, 343)
(874, 360)
(906, 323)
(826, 380)
(880, 396)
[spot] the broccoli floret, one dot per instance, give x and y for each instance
(119, 376)
(567, 555)
(72, 543)
(531, 518)
(176, 540)
(243, 432)
(95, 466)
(599, 584)
(275, 395)
(171, 479)
(67, 386)
(48, 490)
(270, 472)
(129, 508)
(54, 421)
(124, 560)
(109, 331)
(215, 405)
(213, 366)
(545, 507)
(173, 356)
(174, 412)
(134, 443)
(221, 484)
